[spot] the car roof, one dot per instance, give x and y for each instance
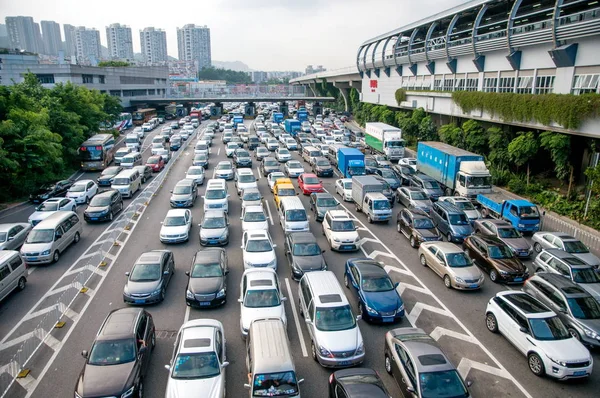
(563, 236)
(82, 182)
(260, 278)
(447, 247)
(198, 338)
(209, 254)
(185, 181)
(257, 234)
(151, 256)
(413, 189)
(119, 324)
(245, 171)
(214, 214)
(565, 285)
(526, 304)
(176, 212)
(302, 237)
(310, 175)
(498, 223)
(490, 240)
(428, 356)
(339, 214)
(108, 192)
(7, 226)
(559, 253)
(254, 209)
(320, 195)
(368, 267)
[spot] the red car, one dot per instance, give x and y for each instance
(156, 162)
(309, 183)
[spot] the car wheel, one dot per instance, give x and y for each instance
(87, 200)
(141, 389)
(153, 340)
(300, 308)
(485, 213)
(447, 282)
(110, 216)
(55, 256)
(22, 283)
(369, 219)
(535, 364)
(388, 364)
(398, 227)
(346, 281)
(76, 238)
(74, 208)
(537, 247)
(491, 323)
(162, 294)
(423, 261)
(413, 242)
(572, 331)
(494, 276)
(313, 351)
(449, 237)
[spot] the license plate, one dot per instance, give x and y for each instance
(212, 242)
(179, 204)
(140, 301)
(346, 247)
(473, 286)
(344, 363)
(388, 319)
(204, 303)
(30, 258)
(579, 373)
(518, 279)
(94, 218)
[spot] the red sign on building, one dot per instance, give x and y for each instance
(373, 85)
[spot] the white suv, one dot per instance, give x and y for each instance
(340, 231)
(539, 334)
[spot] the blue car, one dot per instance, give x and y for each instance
(378, 299)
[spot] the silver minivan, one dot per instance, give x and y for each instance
(127, 182)
(292, 215)
(131, 159)
(335, 337)
(271, 370)
(48, 239)
(13, 272)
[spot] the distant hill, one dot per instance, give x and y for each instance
(232, 65)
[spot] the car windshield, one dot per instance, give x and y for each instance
(258, 246)
(182, 189)
(549, 329)
(344, 225)
(585, 275)
(418, 195)
(286, 192)
(77, 188)
(152, 160)
(388, 174)
(212, 270)
(431, 184)
(529, 212)
(294, 165)
(443, 384)
(255, 217)
(479, 182)
(271, 163)
(347, 184)
(112, 352)
(261, 298)
(246, 178)
(200, 365)
(575, 246)
(283, 151)
(499, 252)
(128, 159)
(224, 166)
(252, 195)
(214, 223)
(48, 206)
(275, 384)
(458, 260)
(311, 180)
(371, 162)
(327, 202)
(306, 249)
(458, 219)
(200, 157)
(174, 221)
(40, 236)
(243, 154)
(584, 307)
(323, 163)
(111, 171)
(121, 181)
(262, 150)
(195, 172)
(381, 205)
(377, 284)
(508, 233)
(295, 215)
(145, 273)
(423, 223)
(329, 319)
(215, 194)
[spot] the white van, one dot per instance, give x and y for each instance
(127, 182)
(131, 159)
(48, 239)
(13, 272)
(132, 140)
(292, 215)
(216, 196)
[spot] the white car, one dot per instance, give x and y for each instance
(254, 219)
(165, 153)
(120, 154)
(539, 334)
(82, 191)
(197, 368)
(283, 154)
(147, 127)
(230, 148)
(244, 179)
(408, 162)
(224, 170)
(343, 187)
(196, 173)
(156, 146)
(293, 168)
(49, 207)
(340, 231)
(272, 144)
(272, 177)
(185, 134)
(260, 297)
(176, 226)
(258, 250)
(140, 132)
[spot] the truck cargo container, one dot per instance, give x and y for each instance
(521, 213)
(368, 198)
(291, 126)
(350, 162)
(385, 139)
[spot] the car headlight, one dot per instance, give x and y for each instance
(272, 263)
(459, 280)
(128, 393)
(503, 272)
(400, 307)
(224, 234)
(521, 225)
(46, 252)
(325, 352)
(77, 395)
(370, 310)
(357, 239)
(336, 240)
(590, 333)
(189, 294)
(221, 293)
(557, 361)
(536, 225)
(157, 291)
(360, 350)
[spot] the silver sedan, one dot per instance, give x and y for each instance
(414, 198)
(12, 236)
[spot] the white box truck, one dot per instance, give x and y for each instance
(385, 139)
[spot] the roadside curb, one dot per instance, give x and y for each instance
(13, 208)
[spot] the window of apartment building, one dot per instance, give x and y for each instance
(87, 78)
(101, 79)
(544, 84)
(472, 85)
(448, 84)
(489, 84)
(507, 85)
(524, 84)
(151, 91)
(46, 78)
(459, 84)
(583, 84)
(425, 85)
(437, 85)
(115, 93)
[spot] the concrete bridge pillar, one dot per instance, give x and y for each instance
(311, 87)
(356, 85)
(344, 88)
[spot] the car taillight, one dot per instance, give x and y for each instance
(331, 378)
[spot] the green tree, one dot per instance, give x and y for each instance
(114, 64)
(523, 148)
(427, 130)
(475, 136)
(230, 76)
(498, 141)
(453, 135)
(559, 146)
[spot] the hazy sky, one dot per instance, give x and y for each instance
(264, 34)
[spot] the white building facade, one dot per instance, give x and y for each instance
(120, 41)
(153, 43)
(87, 44)
(193, 44)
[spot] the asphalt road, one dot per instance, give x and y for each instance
(455, 318)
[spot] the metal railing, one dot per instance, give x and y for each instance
(241, 91)
(347, 70)
(96, 264)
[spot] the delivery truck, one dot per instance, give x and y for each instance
(350, 162)
(369, 199)
(385, 139)
(277, 117)
(521, 213)
(459, 172)
(291, 126)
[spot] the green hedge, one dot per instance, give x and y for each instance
(565, 109)
(400, 95)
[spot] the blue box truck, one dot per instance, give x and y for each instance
(291, 126)
(350, 162)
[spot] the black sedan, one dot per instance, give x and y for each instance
(417, 227)
(207, 279)
(356, 383)
(104, 206)
(58, 189)
(108, 174)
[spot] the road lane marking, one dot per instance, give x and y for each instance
(186, 317)
(219, 151)
(296, 318)
(269, 211)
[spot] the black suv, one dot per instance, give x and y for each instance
(119, 357)
(104, 206)
(303, 254)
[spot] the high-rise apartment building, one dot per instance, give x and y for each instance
(51, 37)
(87, 44)
(153, 43)
(22, 33)
(4, 40)
(193, 44)
(69, 42)
(120, 41)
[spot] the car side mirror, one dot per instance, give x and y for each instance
(240, 300)
(166, 273)
(358, 317)
(469, 383)
(224, 364)
(168, 367)
(127, 273)
(84, 354)
(410, 389)
(57, 236)
(143, 349)
(275, 245)
(202, 196)
(523, 330)
(322, 251)
(396, 285)
(171, 191)
(247, 386)
(187, 273)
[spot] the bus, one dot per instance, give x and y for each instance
(141, 116)
(124, 121)
(97, 152)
